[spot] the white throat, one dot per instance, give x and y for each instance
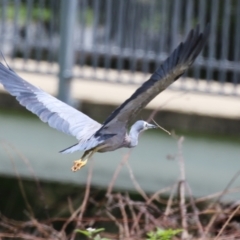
(133, 135)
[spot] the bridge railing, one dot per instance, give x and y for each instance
(123, 40)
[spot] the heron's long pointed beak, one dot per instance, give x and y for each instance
(152, 126)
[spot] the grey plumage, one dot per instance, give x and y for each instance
(113, 133)
(57, 114)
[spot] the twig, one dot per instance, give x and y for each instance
(217, 194)
(212, 220)
(208, 228)
(236, 175)
(120, 227)
(161, 127)
(148, 218)
(70, 205)
(143, 194)
(85, 199)
(195, 212)
(170, 200)
(154, 196)
(135, 183)
(31, 170)
(87, 191)
(149, 201)
(23, 236)
(211, 196)
(117, 171)
(21, 187)
(134, 217)
(182, 180)
(227, 222)
(17, 227)
(124, 215)
(83, 205)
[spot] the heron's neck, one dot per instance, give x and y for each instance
(133, 135)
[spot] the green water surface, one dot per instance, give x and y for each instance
(210, 161)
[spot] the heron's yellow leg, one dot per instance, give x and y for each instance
(78, 164)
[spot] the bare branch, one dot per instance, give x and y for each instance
(227, 222)
(182, 180)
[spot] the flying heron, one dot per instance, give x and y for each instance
(113, 133)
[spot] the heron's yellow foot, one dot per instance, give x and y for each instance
(78, 164)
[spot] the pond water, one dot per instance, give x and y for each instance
(210, 161)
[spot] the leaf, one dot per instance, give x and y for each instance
(98, 230)
(161, 234)
(84, 232)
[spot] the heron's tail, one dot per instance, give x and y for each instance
(71, 149)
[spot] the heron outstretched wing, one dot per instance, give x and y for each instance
(170, 70)
(49, 109)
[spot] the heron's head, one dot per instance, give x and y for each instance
(141, 126)
(137, 128)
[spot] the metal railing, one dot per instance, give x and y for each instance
(125, 40)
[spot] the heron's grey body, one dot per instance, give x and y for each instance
(113, 133)
(123, 139)
(118, 140)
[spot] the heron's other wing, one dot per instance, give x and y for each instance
(169, 71)
(56, 113)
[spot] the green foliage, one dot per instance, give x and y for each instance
(43, 14)
(92, 233)
(161, 234)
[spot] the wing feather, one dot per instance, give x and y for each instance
(56, 113)
(169, 71)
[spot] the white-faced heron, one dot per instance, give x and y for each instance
(113, 133)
